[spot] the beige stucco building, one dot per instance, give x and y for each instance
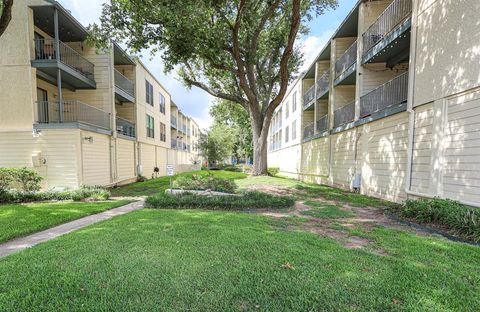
(78, 115)
(391, 105)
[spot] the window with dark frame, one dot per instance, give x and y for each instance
(149, 92)
(162, 104)
(150, 127)
(163, 132)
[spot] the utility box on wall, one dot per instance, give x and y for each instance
(38, 159)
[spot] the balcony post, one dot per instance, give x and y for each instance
(59, 72)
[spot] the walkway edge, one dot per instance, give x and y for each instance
(22, 243)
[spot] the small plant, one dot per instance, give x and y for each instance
(22, 179)
(461, 219)
(198, 182)
(90, 194)
(141, 178)
(273, 171)
(248, 200)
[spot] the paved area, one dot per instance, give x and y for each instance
(22, 243)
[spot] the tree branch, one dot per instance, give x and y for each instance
(6, 16)
(221, 95)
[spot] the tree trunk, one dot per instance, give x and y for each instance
(260, 146)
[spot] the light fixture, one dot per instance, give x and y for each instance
(36, 133)
(89, 139)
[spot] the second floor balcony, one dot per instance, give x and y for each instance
(125, 127)
(68, 113)
(124, 87)
(344, 114)
(173, 121)
(391, 93)
(76, 71)
(308, 130)
(174, 143)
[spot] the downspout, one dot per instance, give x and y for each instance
(411, 96)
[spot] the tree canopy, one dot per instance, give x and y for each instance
(5, 14)
(242, 51)
(217, 144)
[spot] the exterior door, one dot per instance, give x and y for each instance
(42, 105)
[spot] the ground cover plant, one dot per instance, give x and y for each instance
(210, 182)
(246, 200)
(177, 260)
(22, 219)
(80, 194)
(460, 219)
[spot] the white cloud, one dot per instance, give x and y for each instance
(311, 46)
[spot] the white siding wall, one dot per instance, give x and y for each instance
(96, 159)
(125, 159)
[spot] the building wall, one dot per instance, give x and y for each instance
(315, 158)
(125, 159)
(96, 156)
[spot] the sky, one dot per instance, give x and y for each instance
(195, 102)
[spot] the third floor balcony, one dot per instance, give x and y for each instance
(345, 66)
(124, 87)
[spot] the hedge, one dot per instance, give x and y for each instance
(90, 193)
(247, 200)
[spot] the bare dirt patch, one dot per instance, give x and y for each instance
(275, 190)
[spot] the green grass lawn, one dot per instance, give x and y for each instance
(324, 210)
(22, 219)
(154, 186)
(164, 260)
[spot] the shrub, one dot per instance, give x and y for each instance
(14, 196)
(248, 200)
(205, 182)
(273, 171)
(461, 219)
(233, 169)
(23, 179)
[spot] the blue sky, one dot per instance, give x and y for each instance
(195, 102)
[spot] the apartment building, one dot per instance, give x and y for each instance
(77, 115)
(391, 104)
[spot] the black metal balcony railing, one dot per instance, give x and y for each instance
(125, 127)
(72, 111)
(173, 121)
(323, 83)
(344, 114)
(322, 124)
(393, 15)
(346, 60)
(124, 83)
(308, 130)
(45, 49)
(309, 96)
(391, 93)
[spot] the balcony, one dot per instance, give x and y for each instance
(393, 92)
(344, 114)
(173, 121)
(184, 129)
(125, 127)
(391, 25)
(174, 143)
(71, 112)
(322, 124)
(308, 130)
(309, 97)
(76, 71)
(346, 66)
(124, 88)
(323, 84)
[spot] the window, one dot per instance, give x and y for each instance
(162, 104)
(149, 93)
(150, 127)
(163, 132)
(287, 134)
(294, 101)
(287, 110)
(294, 130)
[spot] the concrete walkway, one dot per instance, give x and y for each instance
(22, 243)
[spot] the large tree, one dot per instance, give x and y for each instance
(5, 14)
(242, 51)
(216, 146)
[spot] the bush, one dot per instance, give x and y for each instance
(205, 182)
(461, 219)
(22, 179)
(233, 168)
(14, 196)
(248, 200)
(273, 171)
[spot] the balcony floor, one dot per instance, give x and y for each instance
(123, 96)
(71, 78)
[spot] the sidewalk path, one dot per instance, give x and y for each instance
(22, 243)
